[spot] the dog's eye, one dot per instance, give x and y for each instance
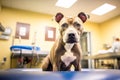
(65, 25)
(76, 24)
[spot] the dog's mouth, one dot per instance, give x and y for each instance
(71, 38)
(71, 41)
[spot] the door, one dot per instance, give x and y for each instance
(85, 41)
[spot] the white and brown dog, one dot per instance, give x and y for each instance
(67, 50)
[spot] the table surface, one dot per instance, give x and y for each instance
(37, 74)
(103, 56)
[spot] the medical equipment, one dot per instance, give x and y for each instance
(25, 54)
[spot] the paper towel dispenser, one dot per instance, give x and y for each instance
(5, 32)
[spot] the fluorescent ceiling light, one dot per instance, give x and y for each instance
(105, 8)
(65, 3)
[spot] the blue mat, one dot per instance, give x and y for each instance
(37, 74)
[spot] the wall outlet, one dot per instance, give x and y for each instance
(4, 59)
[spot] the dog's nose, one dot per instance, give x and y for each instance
(71, 35)
(71, 38)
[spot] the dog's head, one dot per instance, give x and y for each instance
(71, 28)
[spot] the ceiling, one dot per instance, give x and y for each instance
(48, 7)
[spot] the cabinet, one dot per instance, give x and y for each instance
(108, 60)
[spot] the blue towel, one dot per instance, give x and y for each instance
(24, 47)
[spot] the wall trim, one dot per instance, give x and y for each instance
(0, 6)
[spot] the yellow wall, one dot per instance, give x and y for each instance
(109, 29)
(95, 36)
(38, 22)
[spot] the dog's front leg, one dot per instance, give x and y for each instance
(77, 66)
(55, 68)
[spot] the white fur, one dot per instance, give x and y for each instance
(68, 31)
(68, 57)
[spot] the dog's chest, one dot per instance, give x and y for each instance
(68, 56)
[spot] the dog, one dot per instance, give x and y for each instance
(66, 51)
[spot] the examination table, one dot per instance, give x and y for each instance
(38, 74)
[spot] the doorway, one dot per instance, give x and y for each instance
(85, 41)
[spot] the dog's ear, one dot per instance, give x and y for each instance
(58, 17)
(83, 16)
